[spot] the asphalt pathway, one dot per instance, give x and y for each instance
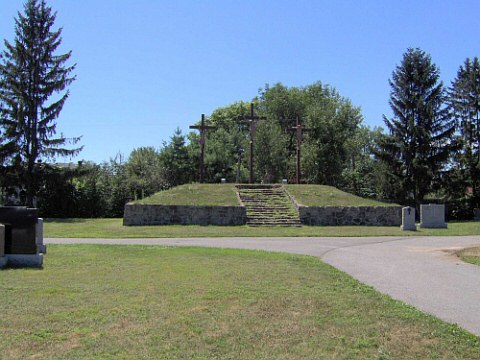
(420, 271)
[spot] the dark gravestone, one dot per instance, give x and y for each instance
(20, 229)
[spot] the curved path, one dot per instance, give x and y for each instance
(421, 271)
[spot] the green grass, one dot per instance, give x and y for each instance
(195, 194)
(225, 194)
(152, 302)
(322, 195)
(113, 228)
(470, 255)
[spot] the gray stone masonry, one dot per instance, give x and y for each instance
(137, 214)
(432, 216)
(408, 219)
(351, 215)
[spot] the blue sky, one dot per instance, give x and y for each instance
(146, 67)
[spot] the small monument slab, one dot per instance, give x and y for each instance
(432, 216)
(408, 219)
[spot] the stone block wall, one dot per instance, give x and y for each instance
(350, 215)
(137, 214)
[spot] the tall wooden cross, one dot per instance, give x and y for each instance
(251, 120)
(299, 129)
(203, 129)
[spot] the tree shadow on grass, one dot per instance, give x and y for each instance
(67, 220)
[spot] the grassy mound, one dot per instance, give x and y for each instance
(195, 194)
(323, 195)
(225, 194)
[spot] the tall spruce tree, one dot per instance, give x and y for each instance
(417, 146)
(464, 103)
(33, 80)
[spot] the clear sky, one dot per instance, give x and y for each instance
(146, 67)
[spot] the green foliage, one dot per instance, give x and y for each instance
(334, 124)
(360, 175)
(464, 104)
(418, 144)
(270, 151)
(331, 118)
(91, 200)
(222, 154)
(31, 74)
(145, 172)
(175, 159)
(57, 194)
(223, 144)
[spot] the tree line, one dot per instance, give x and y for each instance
(429, 150)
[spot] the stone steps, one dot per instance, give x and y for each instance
(268, 205)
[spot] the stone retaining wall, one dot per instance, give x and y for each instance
(350, 215)
(137, 214)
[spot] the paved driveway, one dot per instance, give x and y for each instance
(421, 271)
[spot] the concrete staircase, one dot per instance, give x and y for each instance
(268, 205)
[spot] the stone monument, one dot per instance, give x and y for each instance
(432, 216)
(408, 219)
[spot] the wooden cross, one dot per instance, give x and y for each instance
(251, 120)
(299, 129)
(203, 129)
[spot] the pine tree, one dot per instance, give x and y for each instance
(417, 146)
(464, 103)
(32, 83)
(175, 160)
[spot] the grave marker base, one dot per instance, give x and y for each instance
(21, 260)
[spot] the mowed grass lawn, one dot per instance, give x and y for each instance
(113, 228)
(152, 302)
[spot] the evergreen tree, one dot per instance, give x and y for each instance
(31, 74)
(418, 142)
(176, 161)
(464, 103)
